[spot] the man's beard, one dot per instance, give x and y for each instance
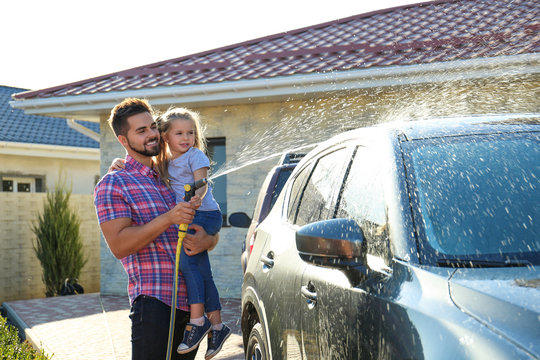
(144, 151)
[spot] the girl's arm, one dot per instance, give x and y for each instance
(196, 200)
(199, 174)
(117, 164)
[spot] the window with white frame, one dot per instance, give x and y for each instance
(22, 184)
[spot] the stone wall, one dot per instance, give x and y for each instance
(20, 270)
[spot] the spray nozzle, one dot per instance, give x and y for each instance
(191, 188)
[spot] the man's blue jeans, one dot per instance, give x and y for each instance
(150, 330)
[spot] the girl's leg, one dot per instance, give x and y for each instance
(215, 317)
(212, 303)
(196, 313)
(193, 278)
(198, 325)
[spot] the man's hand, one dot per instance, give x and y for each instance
(182, 213)
(200, 241)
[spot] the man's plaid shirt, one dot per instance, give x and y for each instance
(137, 193)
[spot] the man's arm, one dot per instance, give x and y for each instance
(125, 239)
(200, 241)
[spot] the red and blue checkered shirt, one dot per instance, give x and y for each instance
(136, 192)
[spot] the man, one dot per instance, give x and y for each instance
(138, 216)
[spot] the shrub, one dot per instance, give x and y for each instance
(12, 348)
(58, 246)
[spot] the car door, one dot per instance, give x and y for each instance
(339, 311)
(314, 202)
(381, 322)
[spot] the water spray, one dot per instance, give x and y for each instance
(182, 230)
(226, 171)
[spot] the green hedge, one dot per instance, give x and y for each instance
(11, 346)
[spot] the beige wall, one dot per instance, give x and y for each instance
(20, 270)
(80, 174)
(255, 131)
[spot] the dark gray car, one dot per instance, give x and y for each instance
(416, 240)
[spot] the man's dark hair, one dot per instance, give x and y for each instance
(128, 107)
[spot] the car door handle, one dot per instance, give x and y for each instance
(308, 291)
(268, 260)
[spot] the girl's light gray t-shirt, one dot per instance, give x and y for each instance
(181, 172)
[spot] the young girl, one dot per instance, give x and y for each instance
(182, 161)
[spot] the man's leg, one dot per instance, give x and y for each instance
(150, 330)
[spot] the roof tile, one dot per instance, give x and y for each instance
(22, 128)
(428, 32)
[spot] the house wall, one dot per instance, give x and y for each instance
(20, 270)
(79, 174)
(256, 131)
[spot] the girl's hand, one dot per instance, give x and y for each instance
(196, 201)
(117, 164)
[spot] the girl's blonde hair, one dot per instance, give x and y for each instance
(163, 122)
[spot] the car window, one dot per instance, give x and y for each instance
(281, 180)
(362, 199)
(297, 189)
(316, 201)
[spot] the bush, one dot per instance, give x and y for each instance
(59, 247)
(12, 348)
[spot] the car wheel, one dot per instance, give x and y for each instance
(256, 349)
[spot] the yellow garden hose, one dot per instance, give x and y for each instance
(182, 230)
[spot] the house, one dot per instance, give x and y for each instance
(265, 96)
(37, 152)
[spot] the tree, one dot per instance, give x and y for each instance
(58, 246)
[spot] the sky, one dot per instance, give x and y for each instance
(54, 42)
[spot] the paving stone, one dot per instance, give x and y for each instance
(94, 326)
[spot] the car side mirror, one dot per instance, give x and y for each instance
(240, 219)
(331, 242)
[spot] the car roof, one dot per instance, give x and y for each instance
(466, 125)
(437, 127)
(447, 126)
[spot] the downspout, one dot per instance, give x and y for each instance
(82, 129)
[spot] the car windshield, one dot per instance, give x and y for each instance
(479, 196)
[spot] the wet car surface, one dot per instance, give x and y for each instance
(417, 240)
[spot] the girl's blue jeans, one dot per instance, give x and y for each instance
(196, 269)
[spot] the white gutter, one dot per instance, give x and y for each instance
(49, 151)
(283, 87)
(82, 129)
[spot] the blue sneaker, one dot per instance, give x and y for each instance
(216, 338)
(193, 335)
